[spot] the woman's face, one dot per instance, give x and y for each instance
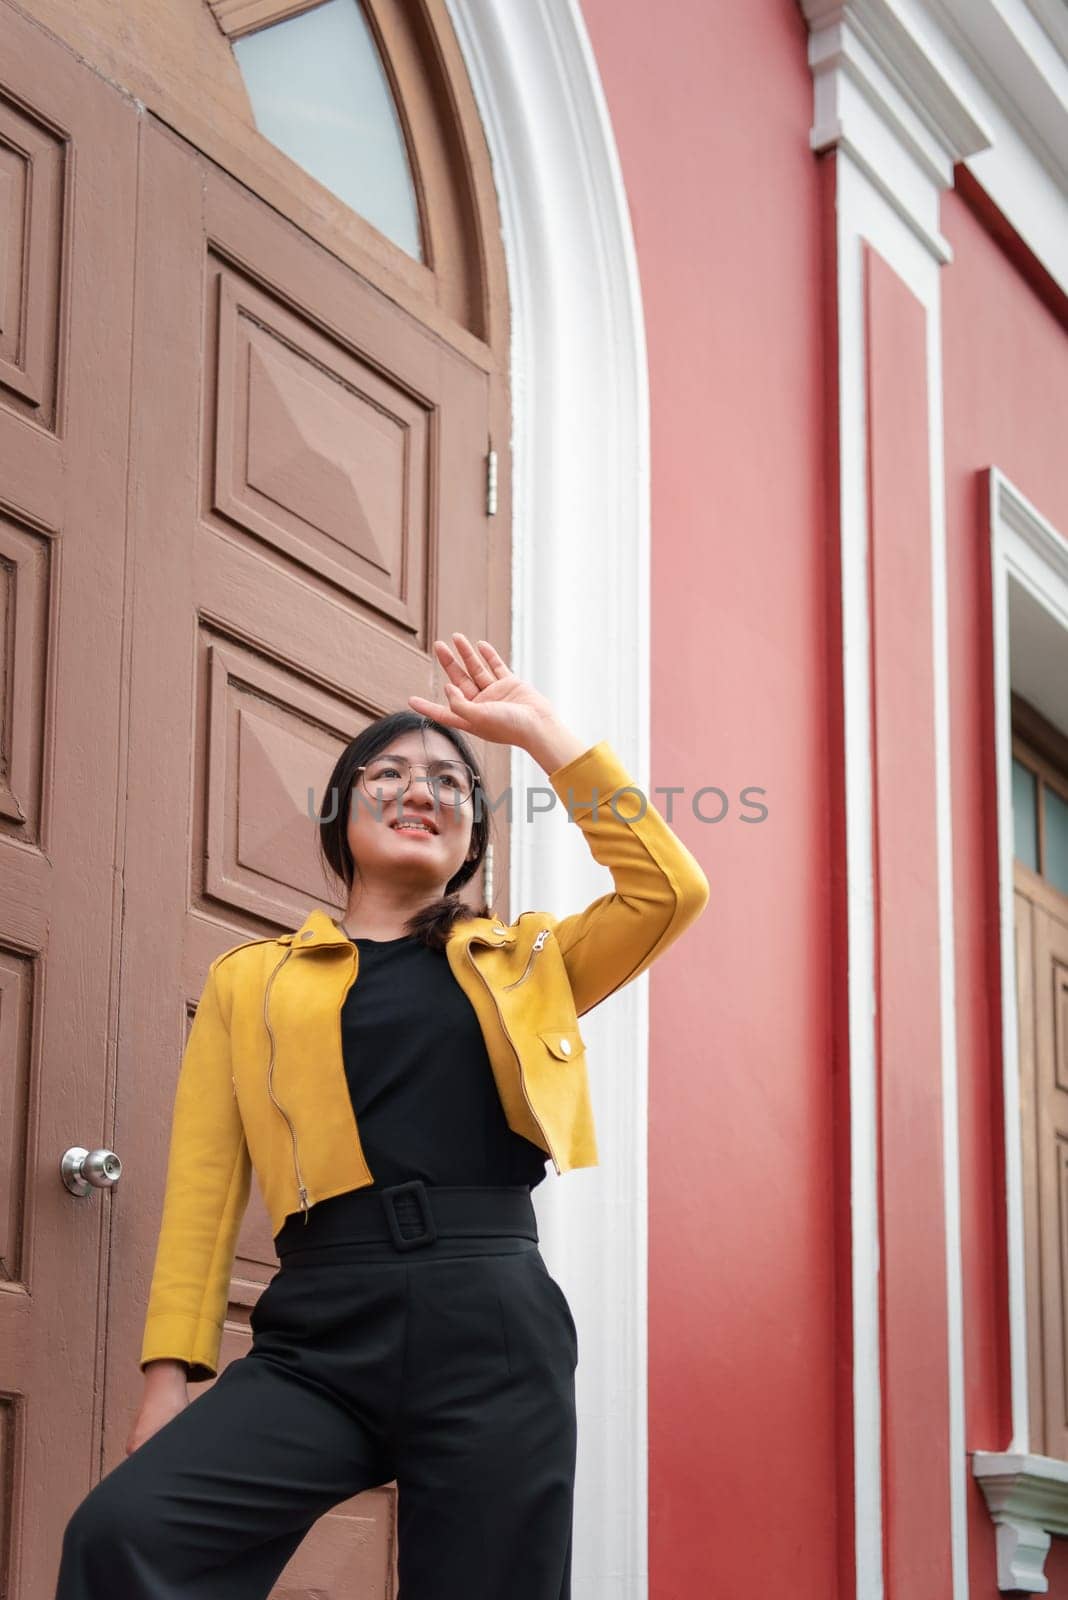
(422, 858)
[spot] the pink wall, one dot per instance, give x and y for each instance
(750, 1381)
(711, 115)
(1006, 382)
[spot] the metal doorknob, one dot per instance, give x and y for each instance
(83, 1169)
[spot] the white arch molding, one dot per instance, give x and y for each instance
(580, 630)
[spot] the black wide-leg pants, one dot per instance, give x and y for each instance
(450, 1368)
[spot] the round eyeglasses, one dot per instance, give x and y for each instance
(388, 777)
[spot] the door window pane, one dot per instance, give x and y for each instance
(1024, 824)
(319, 92)
(1056, 839)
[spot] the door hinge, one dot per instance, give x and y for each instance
(491, 483)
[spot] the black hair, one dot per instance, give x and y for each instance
(433, 923)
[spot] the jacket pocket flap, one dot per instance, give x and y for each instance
(565, 1043)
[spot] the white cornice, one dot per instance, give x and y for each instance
(881, 98)
(907, 88)
(1053, 17)
(1020, 66)
(900, 79)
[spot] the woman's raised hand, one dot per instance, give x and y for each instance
(485, 698)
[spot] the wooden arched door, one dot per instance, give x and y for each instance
(297, 507)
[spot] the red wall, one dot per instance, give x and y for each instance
(711, 114)
(1006, 383)
(749, 1380)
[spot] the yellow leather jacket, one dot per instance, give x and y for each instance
(262, 1083)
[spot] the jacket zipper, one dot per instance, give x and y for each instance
(511, 1041)
(302, 1191)
(535, 947)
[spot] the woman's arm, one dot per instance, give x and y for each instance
(553, 745)
(659, 887)
(207, 1188)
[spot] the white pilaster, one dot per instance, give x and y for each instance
(581, 633)
(897, 119)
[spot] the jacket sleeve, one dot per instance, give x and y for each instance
(206, 1193)
(659, 888)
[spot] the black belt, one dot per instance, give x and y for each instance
(411, 1214)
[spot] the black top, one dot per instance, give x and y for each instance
(420, 1078)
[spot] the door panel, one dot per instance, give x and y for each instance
(1041, 926)
(306, 515)
(68, 152)
(1051, 1105)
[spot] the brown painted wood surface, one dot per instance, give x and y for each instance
(175, 60)
(68, 152)
(1041, 928)
(244, 466)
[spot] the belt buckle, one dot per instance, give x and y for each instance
(417, 1188)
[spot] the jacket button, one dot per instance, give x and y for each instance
(565, 1045)
(309, 935)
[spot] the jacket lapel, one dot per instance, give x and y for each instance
(318, 930)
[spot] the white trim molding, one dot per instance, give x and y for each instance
(897, 118)
(1027, 550)
(1027, 1494)
(903, 91)
(1011, 54)
(912, 86)
(984, 82)
(897, 110)
(581, 632)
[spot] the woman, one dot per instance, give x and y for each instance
(396, 1080)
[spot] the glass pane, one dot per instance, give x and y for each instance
(1025, 827)
(1056, 839)
(319, 92)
